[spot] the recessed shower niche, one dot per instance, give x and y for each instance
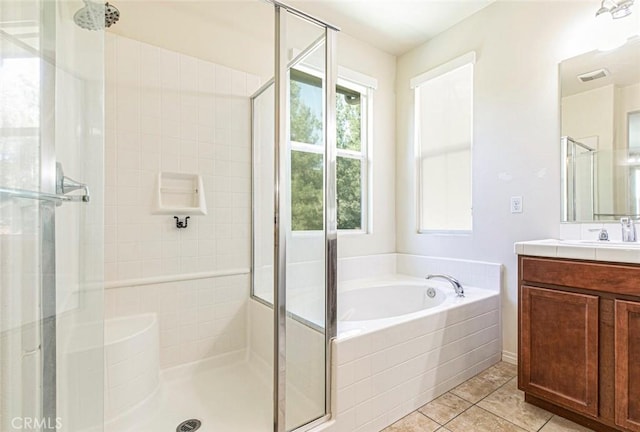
(179, 194)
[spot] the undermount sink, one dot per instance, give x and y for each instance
(601, 243)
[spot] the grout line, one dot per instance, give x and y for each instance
(545, 423)
(497, 388)
(459, 414)
(433, 420)
(510, 377)
(476, 403)
(508, 421)
(501, 416)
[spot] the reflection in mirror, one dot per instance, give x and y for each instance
(600, 101)
(578, 176)
(633, 122)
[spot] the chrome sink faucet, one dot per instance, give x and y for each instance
(628, 229)
(457, 286)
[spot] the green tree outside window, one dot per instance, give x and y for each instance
(307, 167)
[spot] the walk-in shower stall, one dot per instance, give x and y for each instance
(116, 312)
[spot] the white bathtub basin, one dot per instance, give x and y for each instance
(385, 301)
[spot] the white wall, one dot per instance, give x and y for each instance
(516, 131)
(590, 113)
(361, 57)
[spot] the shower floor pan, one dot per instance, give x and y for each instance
(229, 395)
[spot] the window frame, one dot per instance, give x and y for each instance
(364, 155)
(415, 83)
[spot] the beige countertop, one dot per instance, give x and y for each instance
(610, 251)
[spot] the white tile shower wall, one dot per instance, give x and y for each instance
(474, 273)
(169, 112)
(197, 318)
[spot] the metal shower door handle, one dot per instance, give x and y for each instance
(65, 185)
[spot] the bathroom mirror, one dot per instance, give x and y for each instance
(600, 128)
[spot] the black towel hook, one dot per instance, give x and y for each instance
(181, 224)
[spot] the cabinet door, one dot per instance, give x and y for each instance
(628, 365)
(559, 347)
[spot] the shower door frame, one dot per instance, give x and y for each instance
(48, 312)
(282, 225)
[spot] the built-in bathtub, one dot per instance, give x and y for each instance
(397, 348)
(388, 366)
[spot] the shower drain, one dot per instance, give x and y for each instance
(189, 425)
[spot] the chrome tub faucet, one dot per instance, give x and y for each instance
(457, 286)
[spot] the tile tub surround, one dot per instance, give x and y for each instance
(583, 250)
(488, 402)
(479, 274)
(383, 375)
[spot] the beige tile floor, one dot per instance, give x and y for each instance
(488, 402)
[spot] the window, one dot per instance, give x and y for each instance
(19, 120)
(443, 136)
(307, 141)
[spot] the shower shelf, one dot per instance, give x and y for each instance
(179, 194)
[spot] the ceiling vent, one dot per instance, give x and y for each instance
(593, 75)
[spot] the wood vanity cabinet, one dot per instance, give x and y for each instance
(579, 340)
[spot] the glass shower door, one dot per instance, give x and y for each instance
(306, 256)
(51, 334)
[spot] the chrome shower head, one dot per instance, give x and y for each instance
(96, 16)
(617, 8)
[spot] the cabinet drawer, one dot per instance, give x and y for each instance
(610, 278)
